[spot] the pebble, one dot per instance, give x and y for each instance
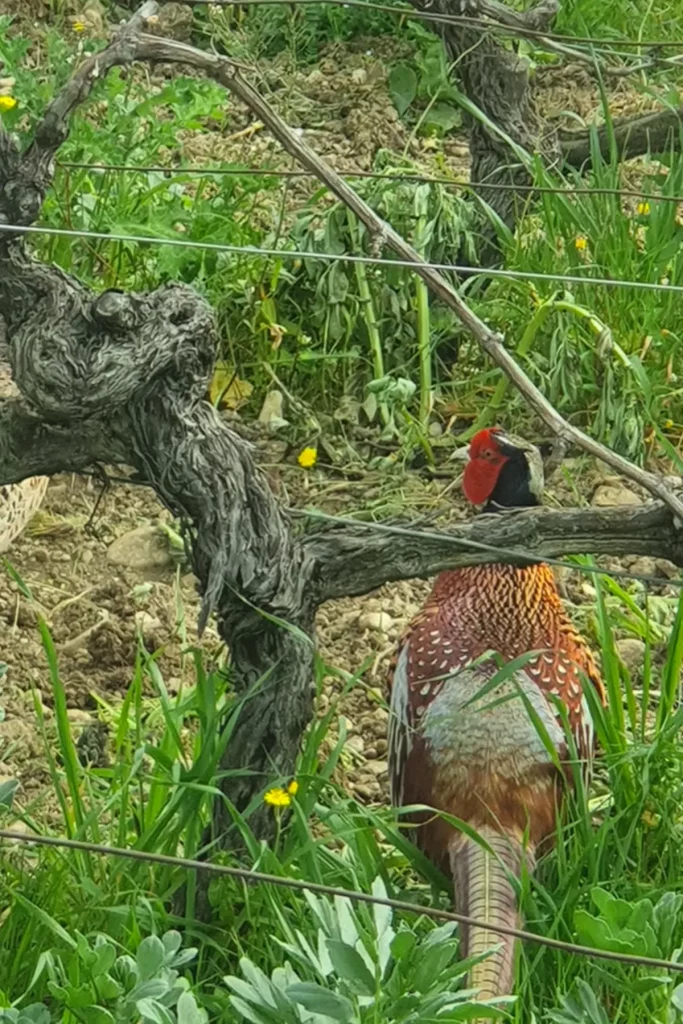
(356, 743)
(23, 829)
(149, 625)
(144, 549)
(607, 495)
(363, 791)
(78, 717)
(272, 411)
(348, 724)
(380, 621)
(667, 569)
(632, 653)
(643, 566)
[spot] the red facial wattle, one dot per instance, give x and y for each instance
(480, 479)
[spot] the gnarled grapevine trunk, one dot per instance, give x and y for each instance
(496, 80)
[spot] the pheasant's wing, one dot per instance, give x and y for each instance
(560, 673)
(18, 504)
(401, 726)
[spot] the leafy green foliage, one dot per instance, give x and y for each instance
(605, 357)
(424, 87)
(96, 984)
(71, 924)
(403, 86)
(363, 970)
(640, 929)
(300, 33)
(583, 1008)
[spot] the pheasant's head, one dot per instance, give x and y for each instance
(502, 471)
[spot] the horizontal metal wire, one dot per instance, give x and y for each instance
(450, 19)
(505, 553)
(270, 172)
(296, 254)
(260, 878)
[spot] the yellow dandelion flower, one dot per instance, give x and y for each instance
(580, 243)
(643, 209)
(308, 458)
(277, 797)
(668, 424)
(7, 103)
(293, 788)
(78, 26)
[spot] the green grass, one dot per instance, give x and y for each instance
(614, 879)
(622, 19)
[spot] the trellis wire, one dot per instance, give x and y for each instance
(271, 172)
(450, 19)
(261, 878)
(296, 254)
(465, 543)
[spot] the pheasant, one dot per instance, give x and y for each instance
(483, 760)
(18, 502)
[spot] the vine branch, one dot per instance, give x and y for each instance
(354, 559)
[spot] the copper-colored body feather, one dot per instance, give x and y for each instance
(480, 758)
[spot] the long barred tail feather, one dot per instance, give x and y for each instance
(483, 890)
